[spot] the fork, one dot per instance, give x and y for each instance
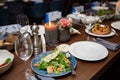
(71, 66)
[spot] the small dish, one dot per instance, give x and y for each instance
(63, 47)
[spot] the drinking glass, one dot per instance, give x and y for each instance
(22, 20)
(23, 47)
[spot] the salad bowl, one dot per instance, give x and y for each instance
(44, 72)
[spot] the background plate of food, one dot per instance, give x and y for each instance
(100, 30)
(52, 64)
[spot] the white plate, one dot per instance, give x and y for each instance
(112, 33)
(116, 25)
(90, 19)
(99, 8)
(88, 51)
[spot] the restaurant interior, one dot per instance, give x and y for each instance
(91, 27)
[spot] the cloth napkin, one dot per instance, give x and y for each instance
(44, 78)
(13, 28)
(108, 44)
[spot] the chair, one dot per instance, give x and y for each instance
(57, 6)
(3, 16)
(36, 13)
(14, 8)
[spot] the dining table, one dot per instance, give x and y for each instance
(85, 70)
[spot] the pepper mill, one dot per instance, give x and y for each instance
(36, 39)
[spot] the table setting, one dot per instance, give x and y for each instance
(58, 50)
(77, 49)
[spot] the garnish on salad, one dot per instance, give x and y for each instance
(55, 62)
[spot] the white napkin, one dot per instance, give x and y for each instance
(9, 28)
(26, 28)
(42, 32)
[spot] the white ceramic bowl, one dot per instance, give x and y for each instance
(90, 19)
(5, 54)
(76, 16)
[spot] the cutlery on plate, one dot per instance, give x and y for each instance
(71, 65)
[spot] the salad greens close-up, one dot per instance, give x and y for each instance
(55, 62)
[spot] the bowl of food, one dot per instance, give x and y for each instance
(105, 14)
(6, 60)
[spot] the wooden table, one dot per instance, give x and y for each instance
(85, 70)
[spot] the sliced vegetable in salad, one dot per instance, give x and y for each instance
(55, 62)
(6, 62)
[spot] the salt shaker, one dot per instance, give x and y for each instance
(36, 39)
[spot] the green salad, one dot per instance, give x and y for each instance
(105, 12)
(55, 62)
